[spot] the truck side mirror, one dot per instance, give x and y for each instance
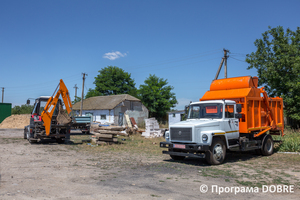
(186, 109)
(238, 108)
(28, 102)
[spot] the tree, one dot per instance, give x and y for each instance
(112, 80)
(277, 60)
(156, 95)
(76, 99)
(23, 109)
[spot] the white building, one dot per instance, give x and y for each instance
(111, 109)
(175, 116)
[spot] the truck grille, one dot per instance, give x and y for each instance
(182, 134)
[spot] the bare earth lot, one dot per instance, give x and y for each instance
(133, 170)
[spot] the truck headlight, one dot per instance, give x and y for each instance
(204, 137)
(167, 135)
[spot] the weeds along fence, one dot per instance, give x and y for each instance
(290, 141)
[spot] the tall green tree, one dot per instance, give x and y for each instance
(157, 96)
(112, 80)
(277, 60)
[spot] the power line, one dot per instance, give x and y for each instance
(174, 60)
(180, 65)
(238, 59)
(46, 85)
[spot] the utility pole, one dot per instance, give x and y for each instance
(75, 91)
(224, 59)
(83, 79)
(2, 94)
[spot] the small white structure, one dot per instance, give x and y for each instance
(175, 116)
(152, 129)
(111, 109)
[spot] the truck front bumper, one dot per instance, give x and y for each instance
(186, 147)
(188, 150)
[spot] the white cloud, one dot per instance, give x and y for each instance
(114, 55)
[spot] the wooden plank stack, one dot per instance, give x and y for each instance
(107, 135)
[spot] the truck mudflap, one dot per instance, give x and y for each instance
(186, 147)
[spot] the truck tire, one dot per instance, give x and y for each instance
(217, 152)
(268, 146)
(30, 138)
(60, 140)
(26, 129)
(25, 134)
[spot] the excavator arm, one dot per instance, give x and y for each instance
(270, 114)
(51, 105)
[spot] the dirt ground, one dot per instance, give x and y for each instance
(81, 171)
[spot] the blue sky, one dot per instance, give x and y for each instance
(42, 42)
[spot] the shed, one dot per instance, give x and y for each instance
(175, 116)
(111, 109)
(5, 111)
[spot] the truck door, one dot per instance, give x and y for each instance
(231, 124)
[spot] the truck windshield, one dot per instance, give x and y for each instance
(211, 110)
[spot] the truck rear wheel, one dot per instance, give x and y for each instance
(217, 152)
(268, 146)
(60, 140)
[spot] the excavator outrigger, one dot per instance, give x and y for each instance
(49, 119)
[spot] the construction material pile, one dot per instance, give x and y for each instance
(107, 134)
(152, 129)
(15, 122)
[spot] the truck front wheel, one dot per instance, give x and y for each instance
(216, 153)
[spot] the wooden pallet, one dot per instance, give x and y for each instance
(107, 135)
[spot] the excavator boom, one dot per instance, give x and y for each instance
(51, 105)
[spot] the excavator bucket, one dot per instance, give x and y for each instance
(63, 117)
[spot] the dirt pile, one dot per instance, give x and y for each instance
(16, 121)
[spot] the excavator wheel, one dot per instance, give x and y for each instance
(60, 140)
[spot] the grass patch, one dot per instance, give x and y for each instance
(290, 141)
(132, 144)
(154, 195)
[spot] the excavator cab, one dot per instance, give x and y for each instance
(39, 107)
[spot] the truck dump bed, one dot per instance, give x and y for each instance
(259, 112)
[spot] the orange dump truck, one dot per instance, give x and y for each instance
(233, 115)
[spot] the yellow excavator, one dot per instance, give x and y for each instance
(49, 119)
